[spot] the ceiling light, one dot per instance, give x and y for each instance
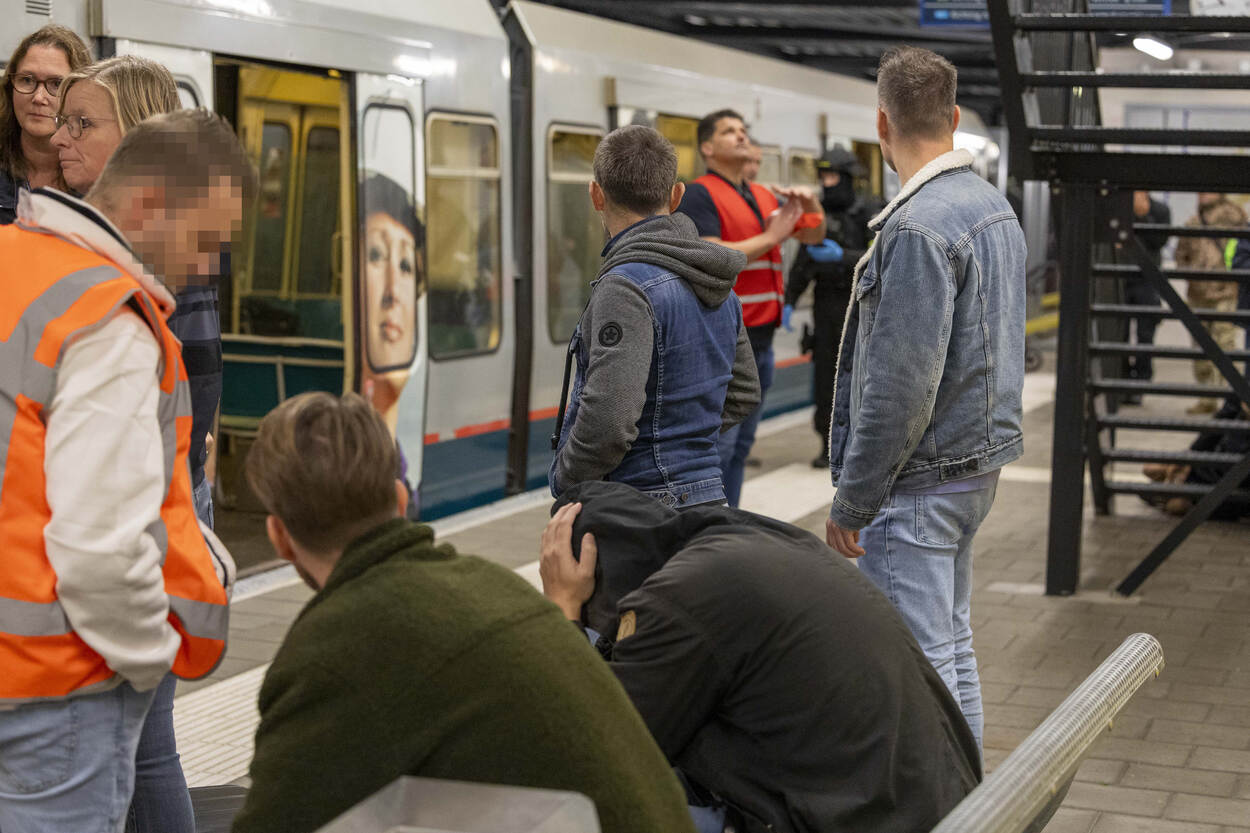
(1153, 47)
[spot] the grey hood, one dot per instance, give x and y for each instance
(672, 242)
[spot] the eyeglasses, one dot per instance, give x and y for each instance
(27, 84)
(76, 124)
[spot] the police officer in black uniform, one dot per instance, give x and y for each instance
(831, 265)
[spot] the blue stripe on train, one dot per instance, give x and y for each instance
(468, 472)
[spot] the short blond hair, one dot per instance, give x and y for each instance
(326, 466)
(139, 88)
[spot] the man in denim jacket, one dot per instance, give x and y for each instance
(663, 359)
(926, 404)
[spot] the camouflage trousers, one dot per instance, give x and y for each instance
(1225, 335)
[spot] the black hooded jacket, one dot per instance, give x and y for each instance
(770, 671)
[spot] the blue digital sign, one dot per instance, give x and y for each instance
(973, 14)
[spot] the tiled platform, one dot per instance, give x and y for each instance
(1176, 761)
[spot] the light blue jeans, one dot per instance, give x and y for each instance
(69, 765)
(919, 553)
(202, 497)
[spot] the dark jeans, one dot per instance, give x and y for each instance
(1140, 292)
(161, 803)
(735, 444)
(828, 315)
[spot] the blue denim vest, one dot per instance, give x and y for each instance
(675, 458)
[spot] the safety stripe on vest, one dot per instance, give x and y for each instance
(760, 297)
(19, 373)
(201, 619)
(762, 264)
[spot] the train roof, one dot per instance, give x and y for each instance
(560, 29)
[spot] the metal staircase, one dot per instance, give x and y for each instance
(1046, 52)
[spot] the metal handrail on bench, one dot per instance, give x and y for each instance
(1025, 789)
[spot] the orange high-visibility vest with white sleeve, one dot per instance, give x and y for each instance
(67, 290)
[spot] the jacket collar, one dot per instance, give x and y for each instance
(53, 212)
(948, 161)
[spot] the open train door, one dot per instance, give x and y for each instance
(391, 280)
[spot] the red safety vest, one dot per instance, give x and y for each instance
(761, 286)
(59, 290)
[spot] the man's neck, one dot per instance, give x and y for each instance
(910, 158)
(731, 173)
(618, 222)
(42, 162)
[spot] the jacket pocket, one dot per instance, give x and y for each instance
(868, 296)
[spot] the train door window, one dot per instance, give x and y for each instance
(802, 169)
(574, 231)
(393, 276)
(770, 166)
(463, 235)
(319, 213)
(683, 132)
(269, 248)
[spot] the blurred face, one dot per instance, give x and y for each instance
(1207, 199)
(83, 158)
(390, 291)
(729, 144)
(35, 110)
(1141, 203)
(181, 236)
(752, 168)
(829, 179)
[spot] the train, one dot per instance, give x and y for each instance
(481, 123)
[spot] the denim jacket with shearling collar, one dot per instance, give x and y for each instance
(931, 368)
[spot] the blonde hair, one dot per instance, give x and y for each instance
(139, 88)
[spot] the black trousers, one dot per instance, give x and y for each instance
(828, 314)
(1140, 292)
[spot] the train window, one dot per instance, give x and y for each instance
(803, 169)
(269, 250)
(393, 275)
(683, 132)
(770, 166)
(319, 213)
(463, 236)
(574, 231)
(869, 155)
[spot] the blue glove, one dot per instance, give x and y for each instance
(786, 312)
(826, 252)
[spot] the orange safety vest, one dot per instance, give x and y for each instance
(761, 286)
(64, 290)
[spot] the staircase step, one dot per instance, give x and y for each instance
(1186, 457)
(1132, 423)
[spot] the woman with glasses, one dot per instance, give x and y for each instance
(98, 105)
(32, 82)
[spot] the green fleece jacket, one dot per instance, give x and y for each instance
(413, 660)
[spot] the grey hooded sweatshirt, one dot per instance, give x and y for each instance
(617, 378)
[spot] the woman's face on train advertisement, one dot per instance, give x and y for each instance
(390, 291)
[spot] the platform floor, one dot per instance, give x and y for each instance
(1176, 761)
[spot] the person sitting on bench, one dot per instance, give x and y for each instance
(782, 685)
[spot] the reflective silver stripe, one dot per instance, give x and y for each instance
(161, 536)
(760, 297)
(19, 372)
(203, 619)
(761, 264)
(33, 618)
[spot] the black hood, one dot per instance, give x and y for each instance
(636, 535)
(672, 242)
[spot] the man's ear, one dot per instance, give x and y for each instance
(674, 200)
(883, 125)
(597, 198)
(280, 538)
(955, 119)
(401, 498)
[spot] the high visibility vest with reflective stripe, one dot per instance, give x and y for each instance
(51, 290)
(761, 285)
